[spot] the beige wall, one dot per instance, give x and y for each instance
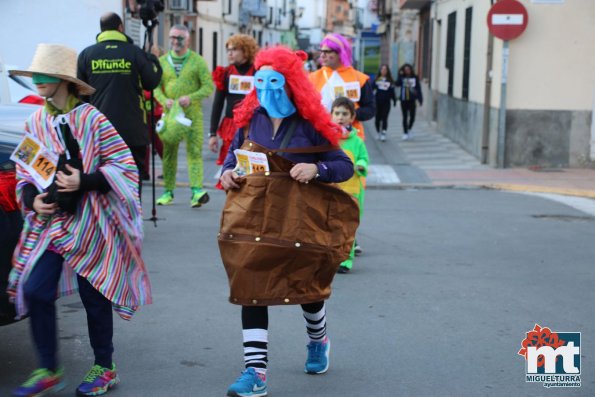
(551, 66)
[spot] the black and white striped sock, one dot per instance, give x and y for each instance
(256, 348)
(315, 316)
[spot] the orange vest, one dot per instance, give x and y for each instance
(348, 74)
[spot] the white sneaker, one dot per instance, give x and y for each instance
(382, 137)
(357, 250)
(405, 137)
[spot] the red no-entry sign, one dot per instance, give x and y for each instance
(507, 19)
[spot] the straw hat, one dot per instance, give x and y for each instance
(57, 61)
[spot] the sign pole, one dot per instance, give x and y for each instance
(502, 111)
(507, 20)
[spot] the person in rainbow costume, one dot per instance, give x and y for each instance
(338, 77)
(87, 236)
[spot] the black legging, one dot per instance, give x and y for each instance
(258, 316)
(382, 111)
(408, 111)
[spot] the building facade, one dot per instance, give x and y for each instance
(548, 120)
(269, 22)
(311, 23)
(367, 42)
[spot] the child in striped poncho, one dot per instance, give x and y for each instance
(92, 243)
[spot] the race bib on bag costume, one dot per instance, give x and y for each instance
(250, 162)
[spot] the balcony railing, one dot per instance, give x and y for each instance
(414, 4)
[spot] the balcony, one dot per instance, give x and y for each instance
(414, 4)
(256, 8)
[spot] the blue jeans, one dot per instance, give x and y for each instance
(41, 292)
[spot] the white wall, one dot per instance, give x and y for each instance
(370, 17)
(24, 24)
(210, 20)
(312, 19)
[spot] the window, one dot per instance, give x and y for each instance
(467, 52)
(200, 41)
(426, 44)
(214, 50)
(450, 49)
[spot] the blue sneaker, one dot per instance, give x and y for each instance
(249, 384)
(318, 357)
(98, 381)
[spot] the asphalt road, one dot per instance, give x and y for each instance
(438, 304)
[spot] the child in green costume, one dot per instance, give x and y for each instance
(343, 113)
(185, 83)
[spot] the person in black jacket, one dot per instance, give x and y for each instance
(384, 90)
(119, 71)
(409, 94)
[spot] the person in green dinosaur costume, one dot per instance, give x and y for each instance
(185, 83)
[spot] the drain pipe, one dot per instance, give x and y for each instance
(487, 100)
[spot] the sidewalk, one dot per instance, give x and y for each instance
(429, 159)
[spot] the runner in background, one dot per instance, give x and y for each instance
(233, 82)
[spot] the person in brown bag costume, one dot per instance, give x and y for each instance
(284, 111)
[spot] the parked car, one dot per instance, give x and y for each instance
(17, 89)
(11, 221)
(12, 121)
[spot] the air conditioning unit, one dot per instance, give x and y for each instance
(178, 4)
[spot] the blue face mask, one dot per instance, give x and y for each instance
(271, 93)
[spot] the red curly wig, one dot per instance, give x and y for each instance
(299, 89)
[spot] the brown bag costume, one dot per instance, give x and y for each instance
(282, 241)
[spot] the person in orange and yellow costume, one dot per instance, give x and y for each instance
(338, 77)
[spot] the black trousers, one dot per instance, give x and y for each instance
(408, 111)
(139, 153)
(41, 292)
(382, 111)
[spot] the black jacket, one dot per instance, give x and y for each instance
(119, 71)
(410, 89)
(232, 99)
(384, 96)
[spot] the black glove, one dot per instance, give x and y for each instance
(67, 201)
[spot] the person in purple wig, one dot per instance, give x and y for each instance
(338, 77)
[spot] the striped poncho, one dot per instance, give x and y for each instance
(102, 241)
